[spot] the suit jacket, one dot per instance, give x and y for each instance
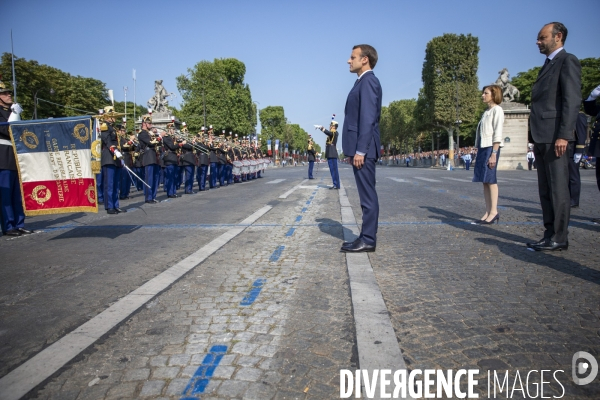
(361, 120)
(555, 99)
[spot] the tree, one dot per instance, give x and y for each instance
(216, 90)
(450, 84)
(272, 122)
(58, 94)
(397, 124)
(590, 77)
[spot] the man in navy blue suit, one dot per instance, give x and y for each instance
(360, 141)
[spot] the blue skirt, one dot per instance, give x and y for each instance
(483, 173)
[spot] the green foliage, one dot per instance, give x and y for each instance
(217, 87)
(272, 122)
(72, 95)
(139, 111)
(398, 124)
(450, 84)
(590, 78)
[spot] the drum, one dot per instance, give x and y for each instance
(237, 168)
(245, 166)
(252, 166)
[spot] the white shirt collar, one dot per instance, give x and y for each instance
(554, 53)
(361, 75)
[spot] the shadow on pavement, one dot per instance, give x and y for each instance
(98, 231)
(516, 199)
(333, 228)
(518, 252)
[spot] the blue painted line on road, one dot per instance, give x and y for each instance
(442, 191)
(308, 202)
(253, 293)
(311, 197)
(298, 218)
(304, 209)
(315, 192)
(290, 232)
(276, 254)
(199, 381)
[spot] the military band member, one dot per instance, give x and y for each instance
(331, 152)
(13, 215)
(237, 156)
(149, 147)
(311, 158)
(111, 164)
(213, 159)
(127, 149)
(203, 161)
(138, 167)
(170, 148)
(222, 157)
(259, 155)
(188, 162)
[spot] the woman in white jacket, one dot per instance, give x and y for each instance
(488, 143)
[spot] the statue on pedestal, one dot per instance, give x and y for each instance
(158, 103)
(509, 92)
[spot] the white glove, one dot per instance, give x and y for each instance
(15, 115)
(595, 93)
(577, 157)
(118, 154)
(318, 126)
(16, 108)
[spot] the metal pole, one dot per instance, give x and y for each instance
(125, 90)
(204, 102)
(14, 81)
(134, 102)
(35, 103)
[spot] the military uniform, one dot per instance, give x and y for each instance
(13, 215)
(127, 148)
(110, 165)
(188, 163)
(576, 147)
(332, 154)
(138, 167)
(593, 109)
(150, 160)
(311, 159)
(171, 165)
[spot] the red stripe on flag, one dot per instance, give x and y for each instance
(60, 196)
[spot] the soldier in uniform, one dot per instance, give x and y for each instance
(222, 160)
(188, 162)
(127, 148)
(203, 161)
(592, 108)
(149, 147)
(259, 155)
(138, 167)
(311, 157)
(575, 149)
(13, 215)
(331, 152)
(237, 156)
(111, 163)
(212, 157)
(170, 148)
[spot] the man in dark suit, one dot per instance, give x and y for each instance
(555, 101)
(360, 141)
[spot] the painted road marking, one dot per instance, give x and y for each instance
(276, 254)
(398, 180)
(458, 179)
(253, 293)
(427, 179)
(205, 371)
(37, 369)
(304, 210)
(275, 181)
(290, 232)
(286, 194)
(298, 218)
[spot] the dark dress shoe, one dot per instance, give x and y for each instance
(25, 231)
(596, 220)
(13, 232)
(112, 211)
(540, 242)
(152, 201)
(551, 245)
(360, 247)
(123, 198)
(356, 241)
(190, 192)
(119, 210)
(173, 196)
(574, 205)
(331, 188)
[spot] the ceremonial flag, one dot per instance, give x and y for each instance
(269, 147)
(54, 163)
(276, 146)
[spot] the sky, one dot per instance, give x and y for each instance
(295, 52)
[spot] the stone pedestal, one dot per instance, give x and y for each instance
(159, 120)
(514, 137)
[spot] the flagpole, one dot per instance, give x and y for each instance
(14, 81)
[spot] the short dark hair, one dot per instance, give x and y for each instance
(559, 27)
(369, 52)
(496, 93)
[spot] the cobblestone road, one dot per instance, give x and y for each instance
(269, 315)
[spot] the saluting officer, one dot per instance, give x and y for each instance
(331, 152)
(13, 215)
(149, 147)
